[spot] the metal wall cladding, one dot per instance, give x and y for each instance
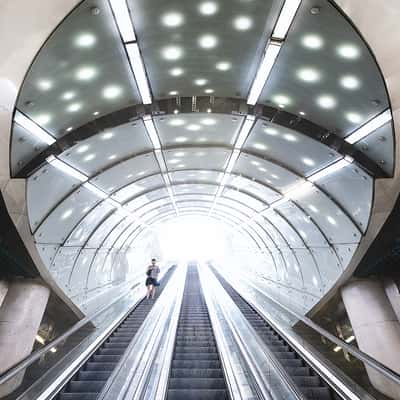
(293, 274)
(52, 182)
(245, 199)
(310, 272)
(63, 219)
(79, 275)
(97, 276)
(63, 264)
(138, 188)
(329, 266)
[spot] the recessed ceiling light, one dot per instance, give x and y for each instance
(82, 149)
(74, 107)
(274, 176)
(42, 119)
(209, 91)
(260, 146)
(112, 157)
(181, 166)
(172, 19)
(312, 41)
(326, 101)
(86, 73)
(176, 122)
(302, 113)
(331, 220)
(354, 117)
(180, 139)
(308, 161)
(208, 41)
(69, 129)
(271, 131)
(111, 92)
(176, 111)
(348, 50)
(208, 8)
(68, 95)
(66, 214)
(242, 23)
(202, 139)
(173, 93)
(107, 135)
(256, 163)
(223, 65)
(193, 127)
(141, 173)
(89, 157)
(282, 99)
(172, 53)
(85, 40)
(308, 75)
(350, 82)
(45, 84)
(261, 169)
(290, 137)
(200, 82)
(176, 71)
(208, 121)
(96, 113)
(129, 176)
(200, 154)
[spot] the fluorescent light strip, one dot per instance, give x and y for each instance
(152, 132)
(270, 55)
(33, 128)
(66, 169)
(95, 190)
(166, 179)
(244, 131)
(285, 19)
(232, 161)
(369, 127)
(137, 65)
(123, 19)
(112, 202)
(160, 160)
(329, 170)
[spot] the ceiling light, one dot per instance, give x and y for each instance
(83, 148)
(42, 119)
(208, 121)
(370, 127)
(111, 92)
(208, 8)
(174, 161)
(45, 84)
(302, 113)
(89, 157)
(151, 131)
(348, 50)
(172, 19)
(123, 19)
(326, 101)
(173, 93)
(180, 139)
(350, 339)
(232, 161)
(193, 127)
(95, 190)
(40, 339)
(96, 113)
(244, 131)
(270, 55)
(200, 82)
(179, 154)
(337, 348)
(353, 117)
(271, 131)
(261, 169)
(285, 18)
(69, 129)
(331, 220)
(208, 41)
(223, 65)
(282, 99)
(176, 122)
(274, 176)
(329, 170)
(290, 137)
(107, 135)
(172, 53)
(256, 163)
(308, 75)
(176, 111)
(202, 139)
(176, 71)
(209, 91)
(33, 128)
(112, 157)
(181, 166)
(260, 146)
(65, 168)
(242, 23)
(139, 71)
(308, 161)
(350, 82)
(74, 107)
(86, 73)
(313, 208)
(66, 214)
(312, 41)
(68, 95)
(85, 40)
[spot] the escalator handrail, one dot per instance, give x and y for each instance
(360, 355)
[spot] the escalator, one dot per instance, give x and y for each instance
(88, 382)
(196, 372)
(309, 383)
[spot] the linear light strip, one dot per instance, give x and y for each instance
(370, 127)
(160, 160)
(270, 55)
(152, 132)
(123, 19)
(66, 168)
(244, 131)
(285, 19)
(137, 65)
(33, 128)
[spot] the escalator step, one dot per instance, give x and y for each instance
(78, 396)
(196, 356)
(93, 375)
(98, 366)
(196, 383)
(309, 381)
(196, 373)
(85, 386)
(187, 394)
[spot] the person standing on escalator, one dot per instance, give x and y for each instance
(152, 273)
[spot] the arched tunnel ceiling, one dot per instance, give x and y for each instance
(295, 171)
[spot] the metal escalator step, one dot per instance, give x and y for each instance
(77, 396)
(196, 356)
(320, 393)
(307, 381)
(112, 351)
(291, 362)
(100, 366)
(85, 386)
(195, 349)
(93, 375)
(187, 394)
(298, 371)
(106, 359)
(286, 355)
(196, 383)
(196, 373)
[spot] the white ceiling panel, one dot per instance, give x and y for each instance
(236, 205)
(311, 275)
(127, 172)
(140, 201)
(191, 197)
(96, 239)
(195, 188)
(328, 265)
(80, 272)
(97, 277)
(104, 149)
(244, 198)
(125, 235)
(202, 175)
(117, 231)
(298, 152)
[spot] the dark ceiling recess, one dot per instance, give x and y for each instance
(383, 256)
(14, 258)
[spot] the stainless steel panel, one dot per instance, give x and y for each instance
(196, 176)
(244, 198)
(310, 272)
(117, 231)
(328, 265)
(140, 201)
(345, 253)
(104, 229)
(293, 274)
(96, 276)
(62, 265)
(77, 282)
(195, 188)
